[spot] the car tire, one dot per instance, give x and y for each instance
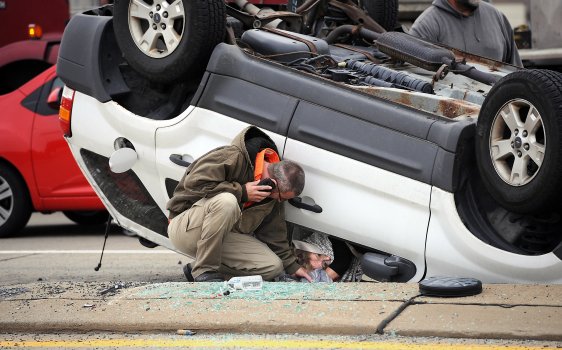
(87, 218)
(194, 29)
(15, 203)
(384, 12)
(519, 154)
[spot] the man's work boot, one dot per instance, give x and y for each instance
(209, 276)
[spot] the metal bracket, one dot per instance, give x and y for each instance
(262, 19)
(357, 15)
(440, 74)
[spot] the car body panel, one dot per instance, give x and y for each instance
(15, 127)
(32, 143)
(82, 58)
(357, 198)
(190, 137)
(119, 123)
(55, 170)
(235, 75)
(452, 250)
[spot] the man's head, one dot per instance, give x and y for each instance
(465, 6)
(289, 177)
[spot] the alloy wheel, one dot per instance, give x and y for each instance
(157, 27)
(517, 142)
(6, 201)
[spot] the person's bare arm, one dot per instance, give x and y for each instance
(332, 274)
(301, 272)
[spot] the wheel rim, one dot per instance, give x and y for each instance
(157, 27)
(6, 201)
(517, 142)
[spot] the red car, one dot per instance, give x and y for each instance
(37, 171)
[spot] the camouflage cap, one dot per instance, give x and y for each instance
(317, 243)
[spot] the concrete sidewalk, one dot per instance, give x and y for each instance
(500, 312)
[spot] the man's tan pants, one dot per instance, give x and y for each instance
(205, 232)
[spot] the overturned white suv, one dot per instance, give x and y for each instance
(433, 160)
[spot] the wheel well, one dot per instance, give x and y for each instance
(488, 221)
(155, 101)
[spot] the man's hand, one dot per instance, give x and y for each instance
(301, 272)
(257, 193)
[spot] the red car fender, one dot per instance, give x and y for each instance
(15, 147)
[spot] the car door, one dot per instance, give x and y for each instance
(56, 173)
(194, 134)
(226, 106)
(359, 201)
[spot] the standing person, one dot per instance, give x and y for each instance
(232, 225)
(469, 25)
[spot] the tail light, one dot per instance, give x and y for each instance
(65, 111)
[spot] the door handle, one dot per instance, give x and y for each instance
(178, 159)
(299, 203)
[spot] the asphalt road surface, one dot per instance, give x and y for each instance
(52, 248)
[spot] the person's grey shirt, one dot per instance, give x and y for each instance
(486, 32)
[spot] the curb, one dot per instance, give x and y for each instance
(501, 311)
